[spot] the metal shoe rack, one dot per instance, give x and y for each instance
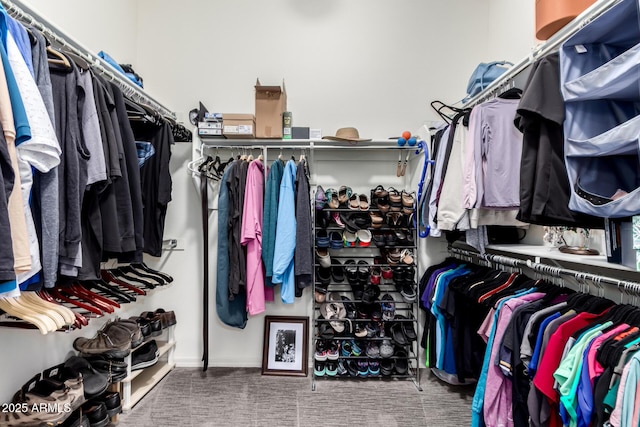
(409, 310)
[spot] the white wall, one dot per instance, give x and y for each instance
(371, 64)
(511, 29)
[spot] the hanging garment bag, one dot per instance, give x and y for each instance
(599, 81)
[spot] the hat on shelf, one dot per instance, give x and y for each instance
(347, 134)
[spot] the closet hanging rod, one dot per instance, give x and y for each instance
(546, 269)
(542, 49)
(28, 16)
(299, 144)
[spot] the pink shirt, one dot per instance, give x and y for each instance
(498, 393)
(251, 236)
(595, 368)
(616, 414)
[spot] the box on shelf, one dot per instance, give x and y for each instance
(315, 133)
(207, 132)
(212, 117)
(209, 125)
(271, 103)
(238, 125)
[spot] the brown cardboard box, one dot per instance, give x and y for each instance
(238, 126)
(271, 103)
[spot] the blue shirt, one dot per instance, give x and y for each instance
(21, 38)
(21, 123)
(535, 357)
(283, 266)
(270, 217)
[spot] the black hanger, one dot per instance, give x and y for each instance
(438, 106)
(142, 273)
(513, 93)
(143, 266)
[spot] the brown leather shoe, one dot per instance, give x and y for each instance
(130, 325)
(114, 342)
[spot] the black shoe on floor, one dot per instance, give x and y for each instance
(145, 356)
(97, 413)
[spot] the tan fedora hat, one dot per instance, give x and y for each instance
(347, 134)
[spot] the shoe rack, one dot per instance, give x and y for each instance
(140, 382)
(361, 312)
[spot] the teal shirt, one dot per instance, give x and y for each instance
(270, 217)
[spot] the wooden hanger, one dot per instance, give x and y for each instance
(58, 58)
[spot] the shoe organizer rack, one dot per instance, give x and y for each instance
(140, 382)
(366, 311)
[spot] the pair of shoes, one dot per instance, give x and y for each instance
(386, 348)
(407, 290)
(387, 367)
(408, 202)
(358, 202)
(380, 199)
(145, 356)
(350, 348)
(335, 240)
(395, 200)
(322, 239)
(150, 327)
(166, 318)
(402, 331)
(320, 198)
(113, 340)
(361, 238)
(100, 410)
(388, 307)
(329, 368)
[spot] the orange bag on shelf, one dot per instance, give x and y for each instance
(551, 15)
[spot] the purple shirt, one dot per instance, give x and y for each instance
(496, 145)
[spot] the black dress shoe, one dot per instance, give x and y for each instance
(145, 325)
(97, 413)
(112, 402)
(77, 419)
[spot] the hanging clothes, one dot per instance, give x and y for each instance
(271, 201)
(285, 244)
(303, 256)
(251, 237)
(236, 184)
(231, 312)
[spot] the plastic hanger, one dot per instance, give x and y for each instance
(110, 278)
(63, 296)
(148, 269)
(80, 319)
(142, 273)
(57, 58)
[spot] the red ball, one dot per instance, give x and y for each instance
(406, 134)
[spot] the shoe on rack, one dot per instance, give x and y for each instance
(112, 401)
(354, 203)
(112, 342)
(332, 198)
(402, 365)
(320, 198)
(145, 356)
(97, 413)
(386, 367)
(331, 368)
(152, 326)
(319, 368)
(364, 238)
(388, 307)
(408, 291)
(321, 351)
(337, 272)
(336, 220)
(352, 367)
(349, 239)
(342, 368)
(373, 350)
(349, 223)
(361, 331)
(333, 350)
(363, 272)
(114, 369)
(322, 219)
(335, 240)
(407, 328)
(363, 368)
(364, 202)
(323, 257)
(351, 271)
(344, 194)
(167, 318)
(323, 275)
(386, 348)
(322, 239)
(78, 368)
(374, 368)
(77, 419)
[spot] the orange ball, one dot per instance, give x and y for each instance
(406, 134)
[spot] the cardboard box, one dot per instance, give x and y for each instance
(238, 126)
(271, 103)
(209, 125)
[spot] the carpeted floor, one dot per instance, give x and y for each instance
(243, 397)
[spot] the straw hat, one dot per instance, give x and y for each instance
(347, 134)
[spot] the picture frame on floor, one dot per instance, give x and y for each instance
(286, 346)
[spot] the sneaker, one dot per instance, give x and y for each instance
(331, 368)
(323, 257)
(374, 368)
(342, 368)
(360, 331)
(321, 198)
(386, 348)
(333, 351)
(352, 368)
(335, 240)
(363, 368)
(386, 367)
(388, 307)
(145, 356)
(319, 369)
(321, 350)
(373, 350)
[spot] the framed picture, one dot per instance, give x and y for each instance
(286, 346)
